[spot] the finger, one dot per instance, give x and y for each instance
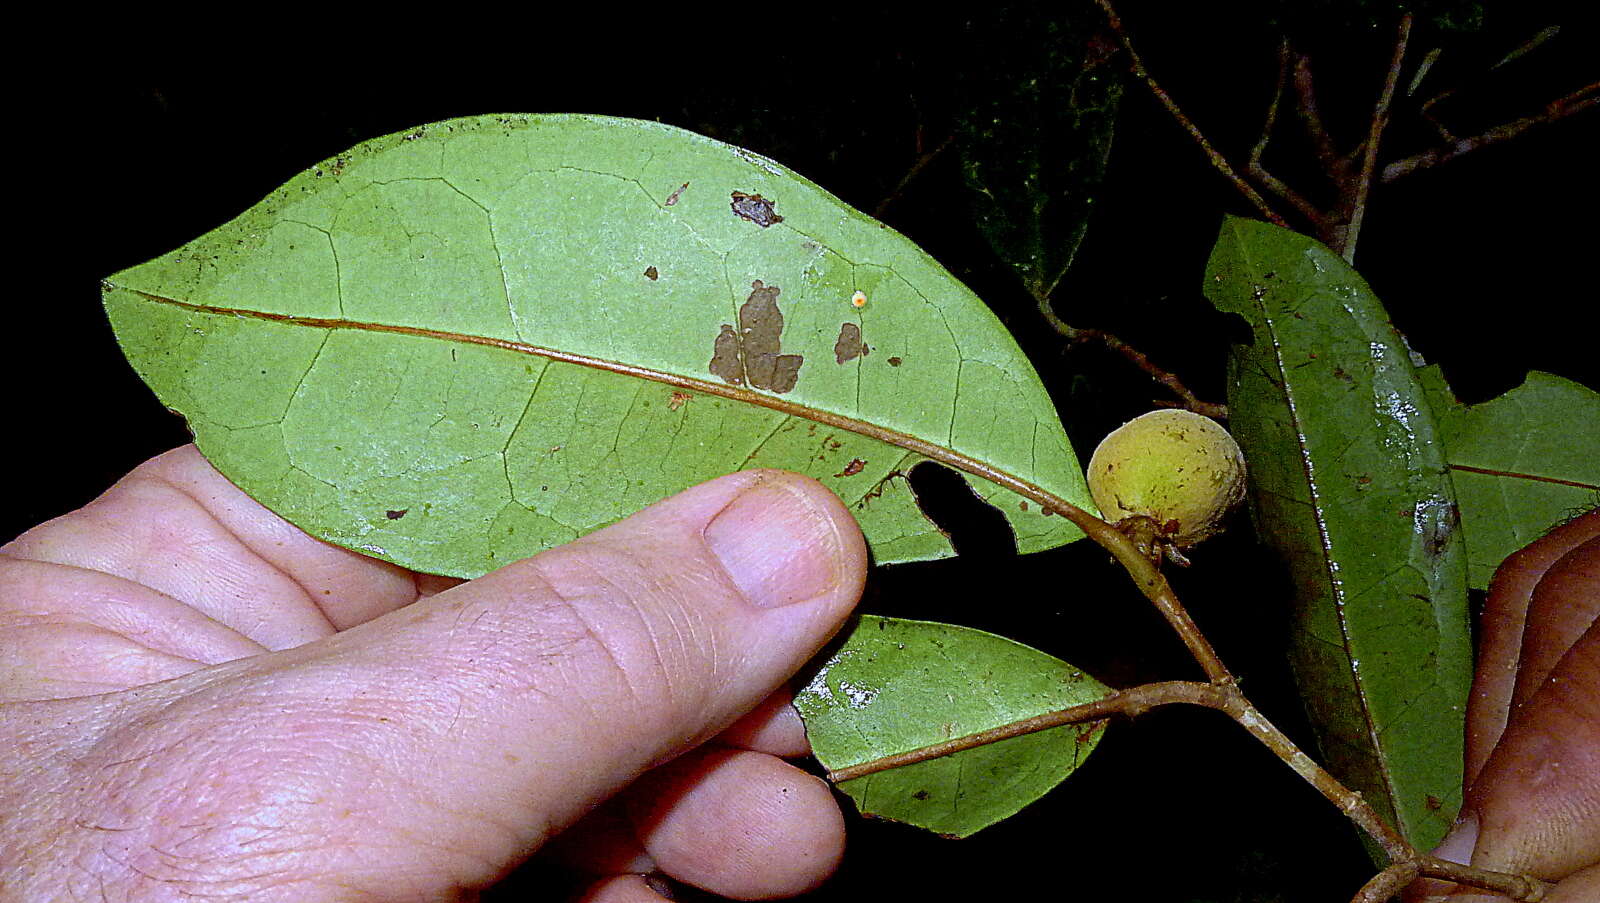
(177, 526)
(626, 889)
(774, 727)
(436, 745)
(1584, 887)
(1500, 634)
(1564, 604)
(1537, 802)
(73, 632)
(740, 824)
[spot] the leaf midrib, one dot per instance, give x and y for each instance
(1519, 475)
(1334, 586)
(933, 451)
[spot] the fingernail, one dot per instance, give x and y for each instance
(1457, 846)
(777, 544)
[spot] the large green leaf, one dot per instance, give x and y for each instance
(1349, 485)
(1036, 135)
(457, 345)
(1521, 463)
(896, 685)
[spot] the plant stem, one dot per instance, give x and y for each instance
(916, 169)
(1582, 99)
(1136, 65)
(1369, 148)
(1072, 333)
(1525, 888)
(1388, 882)
(1333, 163)
(1258, 170)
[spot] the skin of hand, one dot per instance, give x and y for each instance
(1533, 725)
(199, 700)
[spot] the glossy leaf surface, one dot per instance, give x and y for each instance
(897, 685)
(455, 346)
(1035, 141)
(1349, 486)
(1521, 463)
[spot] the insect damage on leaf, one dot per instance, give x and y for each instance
(849, 346)
(751, 355)
(855, 466)
(755, 208)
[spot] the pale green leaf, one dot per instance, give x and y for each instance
(896, 685)
(1521, 463)
(457, 345)
(1349, 486)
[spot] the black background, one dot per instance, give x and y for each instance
(1485, 265)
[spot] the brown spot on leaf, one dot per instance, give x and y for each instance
(854, 467)
(920, 795)
(755, 208)
(396, 514)
(752, 356)
(895, 362)
(849, 346)
(673, 197)
(725, 357)
(1023, 504)
(678, 400)
(651, 273)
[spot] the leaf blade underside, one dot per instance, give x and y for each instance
(455, 346)
(895, 685)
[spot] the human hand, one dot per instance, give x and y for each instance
(198, 699)
(1533, 724)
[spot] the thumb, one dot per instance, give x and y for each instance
(539, 690)
(435, 746)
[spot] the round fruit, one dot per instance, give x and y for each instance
(1176, 467)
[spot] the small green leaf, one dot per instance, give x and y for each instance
(1521, 463)
(1349, 485)
(458, 345)
(897, 685)
(1035, 140)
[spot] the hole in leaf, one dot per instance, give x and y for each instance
(976, 528)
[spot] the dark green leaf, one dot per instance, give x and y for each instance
(1349, 485)
(896, 685)
(512, 330)
(1521, 463)
(1035, 139)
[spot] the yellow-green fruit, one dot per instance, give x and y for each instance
(1177, 467)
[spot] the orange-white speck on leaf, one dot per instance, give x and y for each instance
(859, 299)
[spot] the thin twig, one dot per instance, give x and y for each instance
(1259, 171)
(1387, 883)
(1525, 888)
(1369, 148)
(915, 170)
(1136, 66)
(1311, 117)
(1576, 102)
(1191, 402)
